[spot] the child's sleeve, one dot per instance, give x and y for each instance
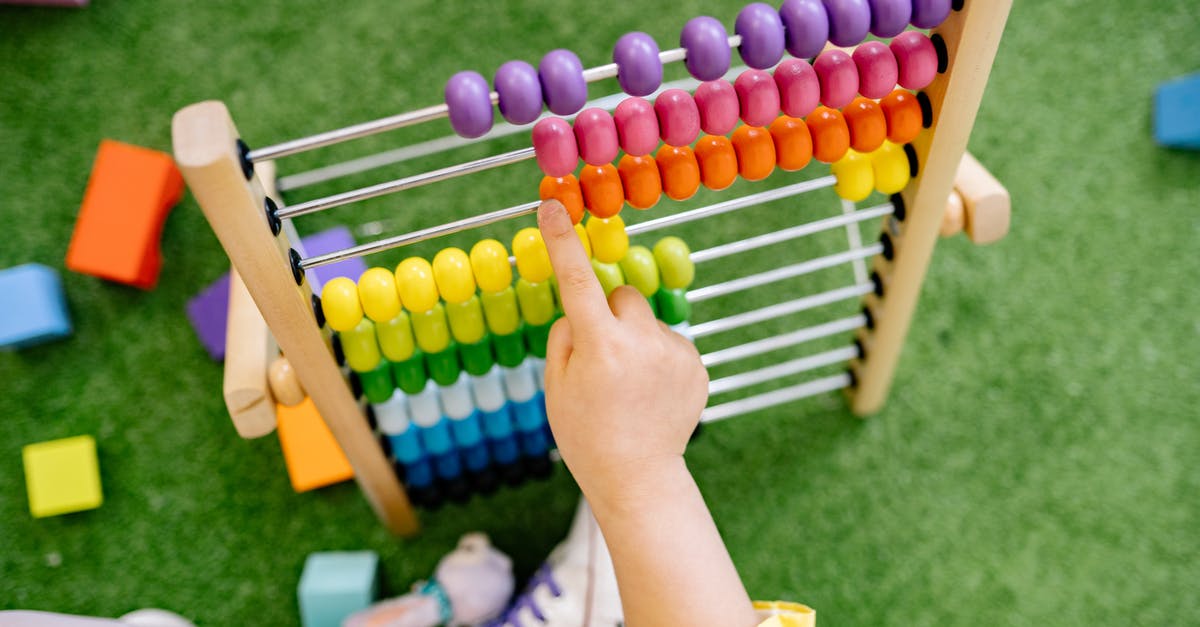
(784, 614)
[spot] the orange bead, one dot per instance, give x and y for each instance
(639, 177)
(602, 192)
(903, 114)
(868, 126)
(718, 161)
(755, 152)
(793, 144)
(830, 135)
(679, 170)
(564, 189)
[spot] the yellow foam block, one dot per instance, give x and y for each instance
(314, 459)
(62, 476)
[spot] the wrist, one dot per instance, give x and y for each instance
(637, 486)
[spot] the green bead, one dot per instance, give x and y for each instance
(654, 305)
(432, 329)
(510, 349)
(674, 263)
(443, 366)
(396, 337)
(477, 358)
(609, 274)
(536, 336)
(641, 271)
(537, 301)
(500, 311)
(377, 384)
(673, 306)
(466, 320)
(410, 374)
(360, 347)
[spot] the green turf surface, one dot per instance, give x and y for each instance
(1036, 463)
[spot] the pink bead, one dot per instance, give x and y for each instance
(678, 117)
(916, 58)
(877, 70)
(838, 76)
(799, 87)
(758, 96)
(718, 104)
(596, 135)
(637, 126)
(555, 147)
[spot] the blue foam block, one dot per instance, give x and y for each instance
(335, 585)
(33, 308)
(1177, 113)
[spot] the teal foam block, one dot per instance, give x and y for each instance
(1177, 113)
(335, 585)
(33, 308)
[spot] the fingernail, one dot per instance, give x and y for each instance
(552, 213)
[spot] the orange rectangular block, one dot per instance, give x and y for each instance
(313, 457)
(128, 196)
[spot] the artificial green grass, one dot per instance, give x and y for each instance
(1036, 462)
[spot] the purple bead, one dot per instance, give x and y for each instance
(639, 69)
(563, 86)
(520, 92)
(929, 13)
(806, 27)
(889, 17)
(707, 46)
(762, 35)
(469, 100)
(849, 21)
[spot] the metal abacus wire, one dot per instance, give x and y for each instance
(835, 78)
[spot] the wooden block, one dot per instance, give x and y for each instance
(128, 196)
(313, 457)
(987, 207)
(62, 476)
(33, 308)
(249, 349)
(335, 585)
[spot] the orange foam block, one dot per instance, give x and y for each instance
(128, 196)
(313, 457)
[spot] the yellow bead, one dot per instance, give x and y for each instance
(360, 348)
(640, 270)
(339, 302)
(533, 262)
(891, 168)
(417, 287)
(609, 274)
(855, 179)
(500, 311)
(609, 241)
(396, 338)
(583, 238)
(431, 329)
(452, 272)
(489, 261)
(466, 320)
(377, 292)
(536, 300)
(674, 263)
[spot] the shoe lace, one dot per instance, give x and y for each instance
(543, 577)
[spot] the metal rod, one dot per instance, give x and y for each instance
(783, 340)
(779, 310)
(427, 114)
(775, 397)
(791, 233)
(409, 182)
(780, 370)
(731, 205)
(780, 274)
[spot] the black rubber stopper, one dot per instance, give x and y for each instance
(853, 378)
(866, 312)
(273, 220)
(858, 346)
(297, 271)
(355, 385)
(244, 159)
(957, 5)
(889, 250)
(318, 312)
(943, 55)
(878, 282)
(338, 354)
(911, 153)
(898, 209)
(926, 109)
(372, 420)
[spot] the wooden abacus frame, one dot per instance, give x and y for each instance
(219, 169)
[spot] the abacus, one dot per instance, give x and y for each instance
(890, 117)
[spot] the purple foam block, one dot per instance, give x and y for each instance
(337, 238)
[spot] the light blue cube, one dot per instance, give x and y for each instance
(335, 585)
(33, 308)
(1177, 113)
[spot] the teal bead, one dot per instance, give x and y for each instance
(673, 306)
(444, 366)
(377, 384)
(510, 349)
(477, 358)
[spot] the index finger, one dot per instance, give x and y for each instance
(582, 297)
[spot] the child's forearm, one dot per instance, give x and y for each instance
(672, 567)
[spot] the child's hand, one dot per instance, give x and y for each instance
(623, 391)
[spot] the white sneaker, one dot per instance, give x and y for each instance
(576, 587)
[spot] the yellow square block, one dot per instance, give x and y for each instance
(62, 476)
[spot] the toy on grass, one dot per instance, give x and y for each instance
(979, 204)
(1177, 113)
(470, 586)
(62, 476)
(314, 459)
(128, 196)
(335, 585)
(33, 308)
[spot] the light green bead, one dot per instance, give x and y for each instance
(536, 300)
(674, 263)
(432, 329)
(360, 348)
(641, 271)
(466, 321)
(396, 338)
(610, 275)
(500, 311)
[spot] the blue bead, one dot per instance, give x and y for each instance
(534, 443)
(505, 450)
(497, 424)
(529, 415)
(418, 474)
(467, 431)
(437, 439)
(406, 447)
(448, 465)
(476, 457)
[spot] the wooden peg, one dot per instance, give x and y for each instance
(284, 385)
(986, 203)
(952, 220)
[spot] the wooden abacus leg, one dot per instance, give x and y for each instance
(971, 37)
(232, 198)
(249, 349)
